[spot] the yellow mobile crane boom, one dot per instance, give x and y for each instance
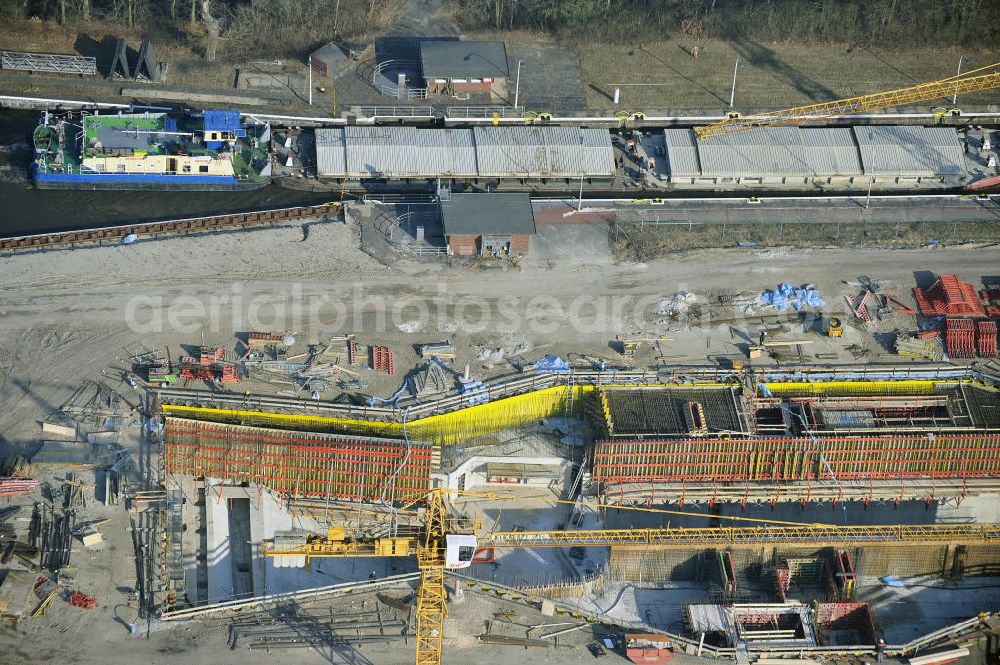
(975, 80)
(440, 550)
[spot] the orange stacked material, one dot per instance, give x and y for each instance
(648, 648)
(78, 599)
(959, 337)
(211, 355)
(198, 372)
(986, 339)
(949, 296)
(991, 296)
(230, 374)
(263, 339)
(383, 359)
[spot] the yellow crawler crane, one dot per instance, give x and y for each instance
(441, 550)
(975, 80)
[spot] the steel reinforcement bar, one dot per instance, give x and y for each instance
(752, 537)
(172, 227)
(299, 463)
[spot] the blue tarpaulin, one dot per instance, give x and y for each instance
(786, 294)
(552, 364)
(222, 121)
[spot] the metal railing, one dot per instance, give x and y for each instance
(381, 82)
(376, 112)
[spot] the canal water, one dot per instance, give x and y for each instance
(26, 210)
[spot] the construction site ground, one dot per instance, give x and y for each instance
(64, 319)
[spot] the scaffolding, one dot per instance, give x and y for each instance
(798, 458)
(441, 429)
(303, 464)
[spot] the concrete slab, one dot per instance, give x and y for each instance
(924, 605)
(585, 244)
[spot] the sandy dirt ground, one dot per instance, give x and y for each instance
(66, 317)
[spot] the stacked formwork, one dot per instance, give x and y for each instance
(959, 336)
(307, 464)
(986, 339)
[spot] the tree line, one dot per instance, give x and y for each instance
(887, 23)
(234, 27)
(277, 26)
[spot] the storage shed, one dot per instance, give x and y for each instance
(487, 224)
(457, 67)
(329, 60)
(360, 153)
(816, 156)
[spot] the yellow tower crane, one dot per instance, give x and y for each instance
(449, 544)
(975, 80)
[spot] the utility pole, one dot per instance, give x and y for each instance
(333, 89)
(310, 80)
(868, 198)
(963, 60)
(517, 84)
(732, 94)
(579, 204)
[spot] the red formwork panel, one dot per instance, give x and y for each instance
(946, 455)
(383, 359)
(949, 296)
(295, 463)
(986, 339)
(960, 338)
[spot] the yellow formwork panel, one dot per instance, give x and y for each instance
(852, 388)
(442, 429)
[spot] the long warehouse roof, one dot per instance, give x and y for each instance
(482, 152)
(907, 150)
(816, 151)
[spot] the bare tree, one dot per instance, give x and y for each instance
(85, 9)
(212, 27)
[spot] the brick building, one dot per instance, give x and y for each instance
(457, 68)
(487, 224)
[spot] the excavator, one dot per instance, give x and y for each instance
(451, 542)
(974, 80)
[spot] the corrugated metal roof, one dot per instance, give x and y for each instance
(910, 150)
(832, 150)
(682, 153)
(331, 157)
(519, 152)
(779, 151)
(487, 214)
(540, 152)
(395, 152)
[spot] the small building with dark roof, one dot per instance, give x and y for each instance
(456, 68)
(487, 224)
